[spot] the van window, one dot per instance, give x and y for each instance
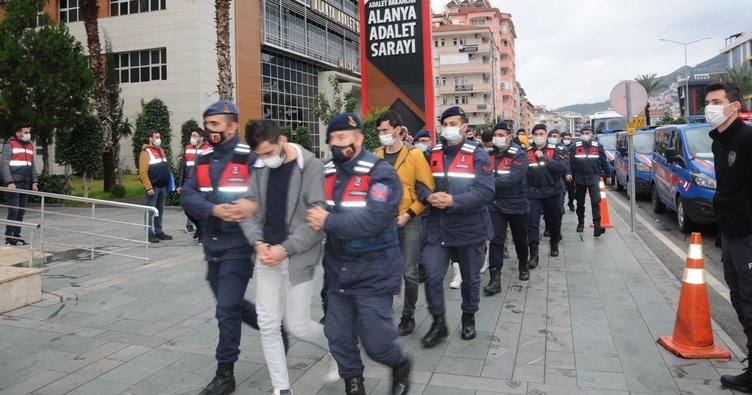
(643, 143)
(661, 141)
(699, 142)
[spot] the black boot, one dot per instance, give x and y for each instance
(494, 284)
(533, 261)
(571, 206)
(741, 382)
(580, 227)
(546, 232)
(524, 271)
(598, 229)
(437, 332)
(224, 381)
(406, 325)
(554, 247)
(401, 377)
(354, 386)
(468, 326)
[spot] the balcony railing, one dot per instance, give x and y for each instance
(482, 106)
(463, 88)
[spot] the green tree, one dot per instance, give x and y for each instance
(224, 65)
(324, 110)
(303, 137)
(153, 115)
(669, 119)
(369, 128)
(741, 77)
(44, 78)
(652, 85)
(81, 148)
(120, 126)
(185, 131)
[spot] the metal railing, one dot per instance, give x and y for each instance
(48, 224)
(28, 225)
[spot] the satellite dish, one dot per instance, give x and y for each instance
(638, 98)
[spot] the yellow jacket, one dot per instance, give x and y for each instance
(411, 167)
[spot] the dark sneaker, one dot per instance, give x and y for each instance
(189, 228)
(580, 227)
(153, 238)
(406, 325)
(401, 377)
(16, 242)
(223, 382)
(598, 230)
(741, 382)
(164, 236)
(354, 386)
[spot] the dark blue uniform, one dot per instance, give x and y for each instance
(587, 162)
(545, 187)
(462, 228)
(228, 253)
(361, 285)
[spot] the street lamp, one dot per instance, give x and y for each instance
(686, 86)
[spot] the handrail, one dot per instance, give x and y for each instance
(80, 199)
(27, 225)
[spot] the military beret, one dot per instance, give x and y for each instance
(566, 133)
(421, 134)
(554, 131)
(586, 127)
(520, 130)
(451, 112)
(221, 107)
(539, 126)
(344, 121)
(502, 125)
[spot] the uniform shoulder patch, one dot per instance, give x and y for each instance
(379, 192)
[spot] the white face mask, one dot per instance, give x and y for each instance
(194, 141)
(553, 140)
(539, 140)
(567, 141)
(714, 114)
(422, 147)
(586, 137)
(387, 139)
(451, 133)
(26, 138)
(157, 142)
(275, 161)
(500, 142)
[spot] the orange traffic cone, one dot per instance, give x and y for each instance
(605, 219)
(693, 335)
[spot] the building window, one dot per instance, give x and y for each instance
(442, 42)
(504, 29)
(69, 11)
(125, 7)
(464, 99)
(142, 66)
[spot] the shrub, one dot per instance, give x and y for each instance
(58, 183)
(118, 191)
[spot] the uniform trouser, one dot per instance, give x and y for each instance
(570, 192)
(368, 317)
(550, 207)
(277, 298)
(16, 204)
(595, 201)
(436, 262)
(518, 223)
(229, 280)
(410, 242)
(157, 200)
(736, 255)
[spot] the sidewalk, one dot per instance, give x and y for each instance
(586, 322)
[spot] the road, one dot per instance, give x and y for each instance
(661, 233)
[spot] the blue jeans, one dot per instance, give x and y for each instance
(157, 200)
(16, 204)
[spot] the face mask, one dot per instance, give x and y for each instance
(500, 142)
(157, 142)
(586, 137)
(194, 141)
(343, 154)
(553, 140)
(714, 115)
(26, 138)
(567, 141)
(539, 140)
(275, 161)
(215, 137)
(451, 133)
(387, 139)
(422, 147)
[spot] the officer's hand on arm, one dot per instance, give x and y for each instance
(244, 208)
(569, 178)
(224, 212)
(441, 200)
(402, 219)
(150, 192)
(12, 185)
(316, 217)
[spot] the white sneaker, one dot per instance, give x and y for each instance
(457, 279)
(332, 375)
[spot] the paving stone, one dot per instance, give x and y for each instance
(601, 380)
(98, 387)
(557, 389)
(88, 357)
(32, 383)
(79, 377)
(458, 382)
(560, 360)
(560, 376)
(701, 386)
(129, 353)
(596, 356)
(29, 366)
(559, 339)
(460, 366)
(142, 366)
(647, 375)
(531, 350)
(529, 373)
(499, 363)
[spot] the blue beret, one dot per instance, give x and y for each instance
(221, 107)
(344, 121)
(422, 133)
(586, 127)
(450, 112)
(554, 131)
(539, 126)
(502, 125)
(566, 133)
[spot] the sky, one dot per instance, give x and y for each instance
(575, 51)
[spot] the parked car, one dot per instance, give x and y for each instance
(608, 141)
(643, 159)
(684, 174)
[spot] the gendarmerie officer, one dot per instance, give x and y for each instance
(458, 222)
(509, 206)
(588, 161)
(566, 140)
(363, 260)
(546, 166)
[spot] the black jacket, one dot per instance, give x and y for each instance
(732, 203)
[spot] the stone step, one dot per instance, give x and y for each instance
(19, 287)
(11, 256)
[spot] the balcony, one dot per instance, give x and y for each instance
(467, 68)
(463, 88)
(482, 106)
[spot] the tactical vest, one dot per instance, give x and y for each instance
(503, 166)
(232, 185)
(587, 161)
(460, 175)
(21, 161)
(592, 153)
(355, 197)
(191, 151)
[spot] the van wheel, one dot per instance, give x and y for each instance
(658, 206)
(619, 187)
(685, 224)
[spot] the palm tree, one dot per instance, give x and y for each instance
(742, 78)
(90, 16)
(222, 19)
(651, 85)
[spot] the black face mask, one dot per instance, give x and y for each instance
(214, 137)
(343, 154)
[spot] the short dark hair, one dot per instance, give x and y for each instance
(262, 130)
(733, 93)
(20, 125)
(151, 132)
(198, 130)
(392, 116)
